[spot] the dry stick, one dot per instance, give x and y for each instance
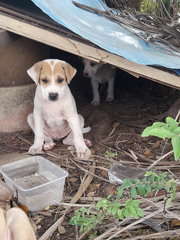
(157, 235)
(87, 199)
(75, 205)
(129, 226)
(106, 159)
(177, 116)
(79, 193)
(173, 215)
(158, 160)
(76, 232)
(143, 157)
(85, 170)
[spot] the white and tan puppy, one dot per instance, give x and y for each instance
(100, 73)
(55, 115)
(14, 225)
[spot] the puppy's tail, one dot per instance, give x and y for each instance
(86, 129)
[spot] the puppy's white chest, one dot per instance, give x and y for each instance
(53, 116)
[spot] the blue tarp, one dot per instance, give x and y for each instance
(105, 33)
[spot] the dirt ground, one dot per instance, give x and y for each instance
(115, 127)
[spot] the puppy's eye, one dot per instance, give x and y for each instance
(60, 80)
(92, 64)
(44, 80)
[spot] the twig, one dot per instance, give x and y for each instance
(85, 170)
(165, 9)
(158, 160)
(75, 205)
(43, 213)
(173, 215)
(166, 234)
(136, 222)
(76, 232)
(87, 199)
(134, 156)
(144, 158)
(177, 116)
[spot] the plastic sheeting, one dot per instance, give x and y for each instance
(105, 33)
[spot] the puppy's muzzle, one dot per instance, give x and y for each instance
(86, 74)
(53, 96)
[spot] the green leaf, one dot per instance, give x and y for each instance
(119, 214)
(126, 212)
(132, 210)
(114, 211)
(168, 202)
(177, 130)
(150, 173)
(148, 188)
(135, 203)
(119, 194)
(147, 132)
(176, 147)
(140, 212)
(161, 133)
(133, 192)
(126, 183)
(128, 202)
(158, 124)
(173, 124)
(141, 189)
(135, 180)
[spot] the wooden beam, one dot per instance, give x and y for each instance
(66, 43)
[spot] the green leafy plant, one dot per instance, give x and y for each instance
(151, 181)
(117, 208)
(88, 218)
(166, 130)
(110, 154)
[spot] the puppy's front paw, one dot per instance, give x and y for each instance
(48, 145)
(83, 152)
(35, 149)
(109, 99)
(95, 102)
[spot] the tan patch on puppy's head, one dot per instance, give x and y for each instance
(45, 75)
(59, 74)
(40, 73)
(64, 71)
(43, 71)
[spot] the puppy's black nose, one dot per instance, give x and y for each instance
(53, 96)
(86, 74)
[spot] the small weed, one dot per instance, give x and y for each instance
(110, 154)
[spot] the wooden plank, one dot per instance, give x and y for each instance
(79, 48)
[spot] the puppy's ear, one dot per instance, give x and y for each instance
(34, 71)
(69, 72)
